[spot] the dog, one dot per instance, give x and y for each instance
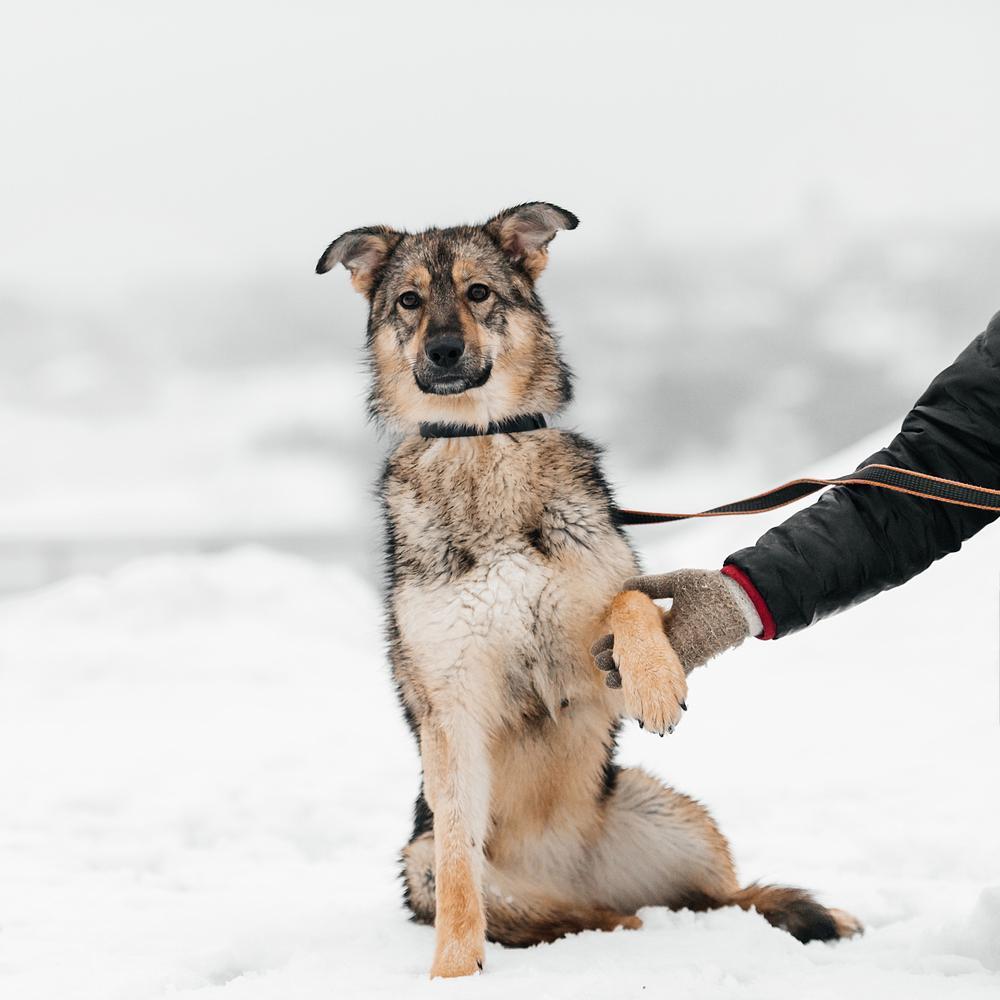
(504, 564)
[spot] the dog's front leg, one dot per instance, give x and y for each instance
(456, 784)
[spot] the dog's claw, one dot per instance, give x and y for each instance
(684, 705)
(642, 725)
(670, 729)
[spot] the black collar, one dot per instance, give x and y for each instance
(512, 425)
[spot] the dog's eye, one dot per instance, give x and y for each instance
(478, 293)
(409, 300)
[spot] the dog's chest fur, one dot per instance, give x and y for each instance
(503, 559)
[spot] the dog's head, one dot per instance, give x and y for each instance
(456, 333)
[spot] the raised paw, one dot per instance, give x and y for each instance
(645, 665)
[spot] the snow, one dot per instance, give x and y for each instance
(258, 450)
(207, 779)
(183, 460)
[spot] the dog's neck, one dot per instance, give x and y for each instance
(511, 425)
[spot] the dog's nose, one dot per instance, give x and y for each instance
(444, 350)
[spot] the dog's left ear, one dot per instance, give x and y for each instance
(363, 252)
(524, 232)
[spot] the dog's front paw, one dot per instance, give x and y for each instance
(461, 956)
(652, 679)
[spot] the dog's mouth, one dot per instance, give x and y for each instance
(451, 383)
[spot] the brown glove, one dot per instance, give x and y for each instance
(705, 619)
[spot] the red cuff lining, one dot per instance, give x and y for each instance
(760, 605)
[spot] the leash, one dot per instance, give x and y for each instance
(886, 477)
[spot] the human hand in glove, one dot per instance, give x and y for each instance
(710, 614)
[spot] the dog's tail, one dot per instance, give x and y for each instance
(795, 911)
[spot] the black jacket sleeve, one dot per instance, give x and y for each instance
(857, 541)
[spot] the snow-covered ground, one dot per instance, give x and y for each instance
(206, 780)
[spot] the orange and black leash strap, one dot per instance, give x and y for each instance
(886, 477)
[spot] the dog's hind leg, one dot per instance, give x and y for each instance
(518, 911)
(661, 848)
(657, 848)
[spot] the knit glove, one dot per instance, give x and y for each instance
(707, 617)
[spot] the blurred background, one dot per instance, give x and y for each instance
(790, 222)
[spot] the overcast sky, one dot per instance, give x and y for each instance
(218, 138)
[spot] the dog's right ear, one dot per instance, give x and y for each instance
(363, 252)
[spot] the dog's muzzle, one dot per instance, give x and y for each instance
(446, 368)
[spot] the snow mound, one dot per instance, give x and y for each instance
(978, 936)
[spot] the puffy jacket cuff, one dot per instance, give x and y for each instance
(769, 628)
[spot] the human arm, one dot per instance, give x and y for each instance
(854, 542)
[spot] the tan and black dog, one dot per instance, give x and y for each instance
(504, 565)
